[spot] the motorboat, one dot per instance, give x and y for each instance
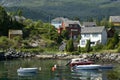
(80, 61)
(27, 70)
(86, 67)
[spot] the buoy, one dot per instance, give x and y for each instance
(53, 68)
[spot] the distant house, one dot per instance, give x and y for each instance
(115, 20)
(73, 27)
(89, 24)
(96, 35)
(14, 33)
(57, 22)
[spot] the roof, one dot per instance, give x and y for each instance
(89, 24)
(71, 22)
(60, 19)
(115, 18)
(92, 29)
(15, 32)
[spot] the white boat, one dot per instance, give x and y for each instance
(89, 67)
(27, 70)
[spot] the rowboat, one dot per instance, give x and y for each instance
(27, 70)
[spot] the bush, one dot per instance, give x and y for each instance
(33, 50)
(98, 47)
(118, 49)
(88, 48)
(75, 53)
(70, 46)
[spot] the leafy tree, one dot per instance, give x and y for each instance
(78, 39)
(4, 22)
(70, 46)
(110, 44)
(104, 22)
(113, 41)
(65, 34)
(116, 38)
(19, 12)
(79, 49)
(88, 48)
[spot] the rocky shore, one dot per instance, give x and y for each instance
(104, 57)
(13, 54)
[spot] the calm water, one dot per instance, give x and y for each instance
(8, 71)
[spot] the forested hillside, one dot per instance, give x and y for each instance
(42, 9)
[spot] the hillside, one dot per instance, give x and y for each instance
(42, 9)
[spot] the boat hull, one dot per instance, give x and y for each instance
(86, 67)
(81, 63)
(106, 67)
(27, 70)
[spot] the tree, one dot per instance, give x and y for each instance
(4, 22)
(65, 34)
(112, 42)
(70, 46)
(88, 46)
(79, 49)
(104, 22)
(19, 13)
(116, 38)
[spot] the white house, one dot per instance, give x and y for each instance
(94, 34)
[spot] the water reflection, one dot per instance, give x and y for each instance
(86, 75)
(27, 74)
(8, 71)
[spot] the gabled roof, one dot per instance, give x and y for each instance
(89, 24)
(92, 29)
(71, 22)
(115, 18)
(60, 19)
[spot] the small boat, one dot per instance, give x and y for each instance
(87, 67)
(80, 61)
(27, 70)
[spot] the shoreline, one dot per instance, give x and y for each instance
(104, 57)
(12, 54)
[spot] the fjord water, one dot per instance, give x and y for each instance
(8, 71)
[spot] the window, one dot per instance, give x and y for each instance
(86, 35)
(92, 42)
(95, 35)
(82, 42)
